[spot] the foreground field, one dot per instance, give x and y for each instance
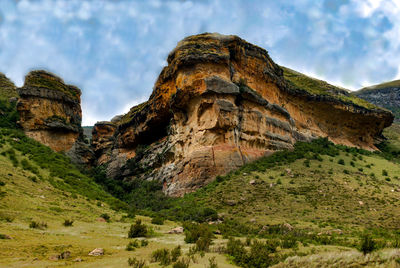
(24, 201)
(306, 208)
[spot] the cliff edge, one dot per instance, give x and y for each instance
(220, 103)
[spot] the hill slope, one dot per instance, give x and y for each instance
(386, 95)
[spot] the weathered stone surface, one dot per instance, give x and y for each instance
(96, 252)
(49, 110)
(220, 103)
(177, 230)
(50, 113)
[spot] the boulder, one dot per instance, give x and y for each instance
(177, 230)
(97, 252)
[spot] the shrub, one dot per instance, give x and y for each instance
(289, 242)
(212, 263)
(38, 225)
(105, 216)
(182, 263)
(341, 162)
(132, 245)
(236, 249)
(259, 255)
(157, 220)
(199, 234)
(137, 230)
(306, 163)
(161, 255)
(384, 173)
(176, 253)
(367, 244)
(144, 243)
(68, 223)
(136, 263)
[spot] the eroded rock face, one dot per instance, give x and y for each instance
(50, 113)
(220, 103)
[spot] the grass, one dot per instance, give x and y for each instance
(56, 168)
(317, 87)
(394, 83)
(7, 88)
(44, 79)
(26, 201)
(126, 118)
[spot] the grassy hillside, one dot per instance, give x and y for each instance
(390, 84)
(314, 86)
(7, 88)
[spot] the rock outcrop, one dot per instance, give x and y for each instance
(386, 95)
(50, 113)
(220, 103)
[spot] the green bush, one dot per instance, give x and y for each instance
(136, 263)
(341, 162)
(9, 114)
(194, 231)
(182, 263)
(68, 223)
(132, 245)
(176, 253)
(106, 217)
(367, 244)
(138, 230)
(212, 263)
(157, 220)
(258, 256)
(289, 241)
(384, 173)
(161, 255)
(38, 225)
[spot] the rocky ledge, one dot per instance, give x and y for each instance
(220, 103)
(50, 113)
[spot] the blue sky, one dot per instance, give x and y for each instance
(114, 50)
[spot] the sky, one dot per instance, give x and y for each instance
(114, 50)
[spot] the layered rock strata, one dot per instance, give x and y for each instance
(220, 103)
(50, 113)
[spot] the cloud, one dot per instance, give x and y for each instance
(114, 50)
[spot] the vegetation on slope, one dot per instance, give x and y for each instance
(390, 84)
(7, 88)
(317, 87)
(44, 79)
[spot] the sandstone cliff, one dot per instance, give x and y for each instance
(386, 95)
(50, 113)
(220, 103)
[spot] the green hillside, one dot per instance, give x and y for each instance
(390, 84)
(40, 191)
(299, 81)
(7, 88)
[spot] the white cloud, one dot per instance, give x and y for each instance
(114, 50)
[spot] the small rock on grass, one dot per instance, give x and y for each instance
(177, 230)
(96, 252)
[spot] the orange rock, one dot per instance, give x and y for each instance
(220, 103)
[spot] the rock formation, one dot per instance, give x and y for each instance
(50, 113)
(386, 95)
(220, 103)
